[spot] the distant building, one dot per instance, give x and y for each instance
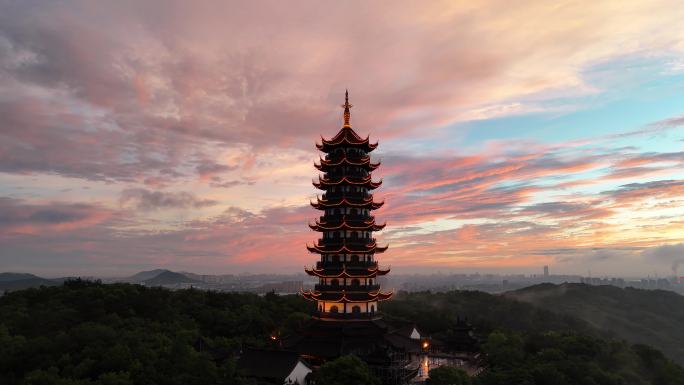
(546, 271)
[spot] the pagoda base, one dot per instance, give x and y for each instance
(390, 355)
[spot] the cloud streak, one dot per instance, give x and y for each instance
(154, 200)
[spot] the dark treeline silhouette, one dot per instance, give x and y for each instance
(89, 333)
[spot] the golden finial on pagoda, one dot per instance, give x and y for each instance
(347, 106)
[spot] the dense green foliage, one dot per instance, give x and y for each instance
(437, 313)
(344, 371)
(90, 333)
(571, 359)
(652, 317)
(528, 345)
(447, 375)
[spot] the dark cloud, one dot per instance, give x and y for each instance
(230, 183)
(582, 255)
(144, 199)
(562, 208)
(208, 169)
(13, 212)
(19, 217)
(659, 188)
(676, 121)
(237, 240)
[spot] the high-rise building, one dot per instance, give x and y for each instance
(546, 271)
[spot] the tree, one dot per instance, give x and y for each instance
(344, 371)
(448, 375)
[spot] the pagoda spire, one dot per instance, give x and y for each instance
(347, 106)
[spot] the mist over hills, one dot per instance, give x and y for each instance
(10, 281)
(19, 281)
(652, 317)
(10, 277)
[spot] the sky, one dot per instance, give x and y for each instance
(160, 134)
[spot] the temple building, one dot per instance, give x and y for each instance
(347, 270)
(347, 296)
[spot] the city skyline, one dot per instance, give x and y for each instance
(170, 135)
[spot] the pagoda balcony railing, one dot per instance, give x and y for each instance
(351, 241)
(352, 195)
(352, 157)
(348, 288)
(349, 174)
(347, 217)
(348, 316)
(347, 265)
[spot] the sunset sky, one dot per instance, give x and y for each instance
(142, 134)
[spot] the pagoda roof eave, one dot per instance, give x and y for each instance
(367, 182)
(346, 135)
(324, 203)
(328, 146)
(344, 297)
(345, 226)
(370, 248)
(323, 163)
(323, 273)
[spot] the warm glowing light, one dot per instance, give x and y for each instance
(425, 344)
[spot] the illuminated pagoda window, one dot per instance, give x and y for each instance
(347, 271)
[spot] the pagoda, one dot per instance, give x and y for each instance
(347, 272)
(346, 319)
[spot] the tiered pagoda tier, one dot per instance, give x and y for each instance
(347, 271)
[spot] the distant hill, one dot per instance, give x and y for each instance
(169, 278)
(652, 317)
(19, 281)
(145, 275)
(9, 277)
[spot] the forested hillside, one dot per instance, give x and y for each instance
(89, 333)
(653, 317)
(84, 332)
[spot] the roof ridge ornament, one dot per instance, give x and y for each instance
(346, 106)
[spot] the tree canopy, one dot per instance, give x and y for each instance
(88, 333)
(447, 375)
(344, 371)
